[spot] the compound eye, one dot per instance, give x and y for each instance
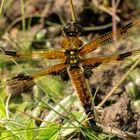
(72, 29)
(65, 31)
(78, 32)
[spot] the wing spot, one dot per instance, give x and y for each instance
(122, 56)
(11, 53)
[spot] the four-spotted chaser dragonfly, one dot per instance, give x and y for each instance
(74, 63)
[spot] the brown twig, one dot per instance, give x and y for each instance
(114, 24)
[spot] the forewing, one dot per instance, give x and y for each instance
(123, 40)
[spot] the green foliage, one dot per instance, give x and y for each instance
(51, 132)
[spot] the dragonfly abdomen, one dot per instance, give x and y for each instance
(83, 92)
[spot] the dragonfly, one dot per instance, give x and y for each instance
(74, 63)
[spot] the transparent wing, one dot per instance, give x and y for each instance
(96, 61)
(50, 54)
(22, 82)
(127, 39)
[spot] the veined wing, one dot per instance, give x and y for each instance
(96, 61)
(21, 82)
(50, 54)
(129, 29)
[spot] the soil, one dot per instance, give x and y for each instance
(122, 115)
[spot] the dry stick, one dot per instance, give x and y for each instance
(114, 27)
(1, 6)
(38, 119)
(104, 8)
(72, 11)
(7, 106)
(117, 132)
(113, 90)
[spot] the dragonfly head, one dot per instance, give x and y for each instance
(72, 29)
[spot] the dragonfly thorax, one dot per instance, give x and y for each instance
(72, 57)
(71, 43)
